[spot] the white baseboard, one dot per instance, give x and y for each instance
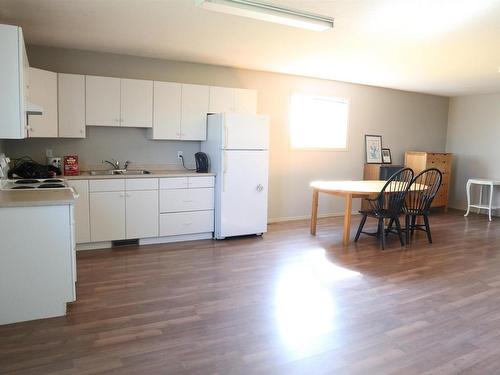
(304, 217)
(180, 238)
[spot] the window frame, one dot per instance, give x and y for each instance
(339, 98)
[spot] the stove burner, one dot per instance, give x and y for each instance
(51, 186)
(52, 180)
(26, 181)
(22, 187)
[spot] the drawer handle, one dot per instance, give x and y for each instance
(189, 201)
(187, 224)
(260, 188)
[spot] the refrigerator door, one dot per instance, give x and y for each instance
(245, 132)
(243, 194)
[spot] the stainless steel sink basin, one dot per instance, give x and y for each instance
(119, 172)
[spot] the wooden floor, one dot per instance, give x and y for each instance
(287, 303)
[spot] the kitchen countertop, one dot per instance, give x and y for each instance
(85, 175)
(31, 198)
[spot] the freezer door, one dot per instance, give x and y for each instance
(245, 132)
(243, 203)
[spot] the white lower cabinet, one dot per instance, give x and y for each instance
(141, 209)
(178, 223)
(118, 209)
(107, 216)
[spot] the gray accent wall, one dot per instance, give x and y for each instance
(473, 138)
(406, 121)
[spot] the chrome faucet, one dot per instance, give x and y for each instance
(115, 164)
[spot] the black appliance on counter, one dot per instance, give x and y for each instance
(26, 167)
(202, 162)
(387, 171)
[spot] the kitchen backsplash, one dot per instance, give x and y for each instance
(105, 143)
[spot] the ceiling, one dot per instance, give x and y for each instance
(444, 47)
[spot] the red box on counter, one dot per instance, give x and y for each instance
(71, 167)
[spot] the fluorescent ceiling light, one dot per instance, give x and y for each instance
(269, 13)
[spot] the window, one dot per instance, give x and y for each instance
(318, 122)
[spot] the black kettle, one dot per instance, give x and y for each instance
(202, 163)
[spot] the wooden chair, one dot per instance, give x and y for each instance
(387, 205)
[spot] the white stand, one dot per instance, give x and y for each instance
(482, 182)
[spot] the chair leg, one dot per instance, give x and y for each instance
(413, 221)
(400, 232)
(407, 227)
(389, 227)
(427, 228)
(360, 228)
(381, 233)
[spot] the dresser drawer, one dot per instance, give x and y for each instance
(178, 223)
(174, 183)
(176, 200)
(201, 182)
(106, 185)
(141, 184)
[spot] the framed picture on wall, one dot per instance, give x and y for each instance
(373, 148)
(386, 156)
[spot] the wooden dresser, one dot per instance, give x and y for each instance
(418, 161)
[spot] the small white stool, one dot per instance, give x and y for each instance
(482, 182)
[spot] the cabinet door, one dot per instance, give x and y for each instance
(194, 112)
(102, 97)
(221, 99)
(107, 216)
(136, 103)
(142, 214)
(43, 92)
(245, 101)
(82, 213)
(166, 111)
(71, 105)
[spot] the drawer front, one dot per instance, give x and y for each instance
(178, 223)
(106, 185)
(174, 183)
(177, 200)
(201, 182)
(141, 184)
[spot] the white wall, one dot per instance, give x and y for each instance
(473, 137)
(407, 121)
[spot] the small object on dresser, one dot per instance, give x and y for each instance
(71, 166)
(386, 156)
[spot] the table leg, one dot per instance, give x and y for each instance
(314, 211)
(347, 219)
(480, 199)
(490, 204)
(467, 189)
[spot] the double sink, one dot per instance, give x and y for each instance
(110, 172)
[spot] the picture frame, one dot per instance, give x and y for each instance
(373, 149)
(386, 156)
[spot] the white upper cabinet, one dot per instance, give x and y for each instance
(102, 95)
(245, 101)
(71, 105)
(13, 77)
(221, 99)
(136, 103)
(166, 111)
(226, 99)
(194, 103)
(43, 92)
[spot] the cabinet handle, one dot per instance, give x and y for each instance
(225, 136)
(122, 195)
(260, 188)
(187, 223)
(189, 201)
(117, 120)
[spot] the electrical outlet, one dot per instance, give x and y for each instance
(180, 155)
(48, 153)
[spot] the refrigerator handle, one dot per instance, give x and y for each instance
(224, 172)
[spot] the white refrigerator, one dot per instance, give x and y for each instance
(237, 146)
